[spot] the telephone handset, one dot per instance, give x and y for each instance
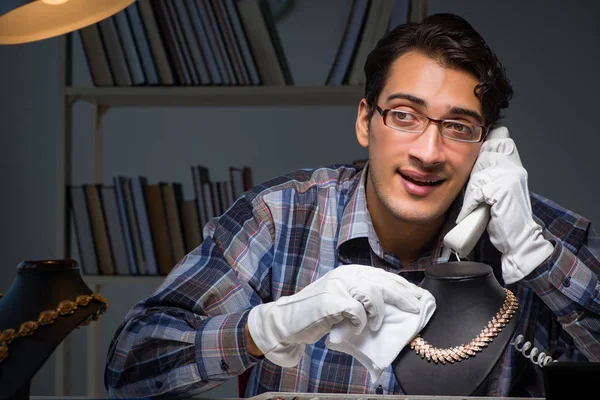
(461, 240)
(463, 237)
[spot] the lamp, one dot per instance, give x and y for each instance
(24, 21)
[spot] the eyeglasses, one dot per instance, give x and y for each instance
(405, 121)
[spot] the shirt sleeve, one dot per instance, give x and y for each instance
(593, 241)
(567, 282)
(188, 336)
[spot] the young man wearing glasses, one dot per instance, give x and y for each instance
(299, 255)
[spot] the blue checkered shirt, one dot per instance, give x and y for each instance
(188, 336)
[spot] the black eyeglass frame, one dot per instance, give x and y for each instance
(385, 111)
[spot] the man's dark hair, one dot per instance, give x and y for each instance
(454, 43)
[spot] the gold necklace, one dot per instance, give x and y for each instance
(48, 317)
(462, 352)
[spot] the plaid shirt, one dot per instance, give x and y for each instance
(188, 337)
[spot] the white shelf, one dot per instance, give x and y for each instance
(215, 96)
(123, 279)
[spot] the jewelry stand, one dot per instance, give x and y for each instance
(467, 297)
(39, 286)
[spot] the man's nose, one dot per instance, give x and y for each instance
(428, 146)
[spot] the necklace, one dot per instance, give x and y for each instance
(48, 317)
(464, 351)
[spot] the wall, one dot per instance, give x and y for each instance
(548, 48)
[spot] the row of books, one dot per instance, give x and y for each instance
(223, 42)
(187, 42)
(137, 227)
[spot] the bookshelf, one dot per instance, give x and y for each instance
(102, 99)
(225, 96)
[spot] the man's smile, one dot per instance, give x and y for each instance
(419, 183)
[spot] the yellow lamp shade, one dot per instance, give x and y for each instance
(24, 21)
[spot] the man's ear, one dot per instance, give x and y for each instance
(362, 124)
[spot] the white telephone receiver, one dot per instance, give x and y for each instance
(463, 237)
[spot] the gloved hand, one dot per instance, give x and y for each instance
(499, 179)
(358, 293)
(376, 350)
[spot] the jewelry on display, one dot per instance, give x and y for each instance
(48, 317)
(462, 352)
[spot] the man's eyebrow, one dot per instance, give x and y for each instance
(453, 110)
(467, 112)
(409, 97)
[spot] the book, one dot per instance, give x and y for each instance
(159, 228)
(231, 44)
(201, 32)
(259, 34)
(128, 224)
(116, 238)
(375, 27)
(142, 44)
(196, 57)
(95, 210)
(192, 231)
(211, 23)
(114, 51)
(156, 42)
(242, 40)
(138, 189)
(130, 48)
(83, 230)
(95, 55)
(172, 195)
(347, 49)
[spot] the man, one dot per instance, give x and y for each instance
(304, 252)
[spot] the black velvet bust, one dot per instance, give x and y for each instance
(38, 286)
(467, 297)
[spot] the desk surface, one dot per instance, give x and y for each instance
(324, 396)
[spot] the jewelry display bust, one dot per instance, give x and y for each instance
(468, 299)
(44, 296)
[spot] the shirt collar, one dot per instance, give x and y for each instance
(357, 232)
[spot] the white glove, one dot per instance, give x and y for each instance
(499, 179)
(376, 350)
(358, 293)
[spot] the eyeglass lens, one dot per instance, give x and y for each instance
(408, 122)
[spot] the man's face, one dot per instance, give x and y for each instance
(416, 177)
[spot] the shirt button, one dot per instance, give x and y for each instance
(567, 281)
(379, 390)
(224, 366)
(158, 384)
